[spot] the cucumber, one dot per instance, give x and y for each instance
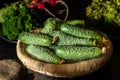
(66, 39)
(80, 32)
(76, 22)
(36, 39)
(50, 24)
(77, 53)
(42, 53)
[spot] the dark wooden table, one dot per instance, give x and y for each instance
(109, 72)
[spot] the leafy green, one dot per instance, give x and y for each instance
(108, 10)
(2, 12)
(19, 18)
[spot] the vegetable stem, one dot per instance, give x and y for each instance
(67, 9)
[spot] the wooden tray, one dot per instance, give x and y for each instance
(63, 70)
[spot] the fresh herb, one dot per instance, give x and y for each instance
(26, 15)
(2, 12)
(105, 10)
(19, 18)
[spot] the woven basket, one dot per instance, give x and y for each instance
(63, 70)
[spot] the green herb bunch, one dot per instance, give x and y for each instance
(19, 18)
(107, 10)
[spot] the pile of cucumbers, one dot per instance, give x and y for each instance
(63, 42)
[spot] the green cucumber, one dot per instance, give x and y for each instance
(80, 32)
(49, 25)
(42, 53)
(78, 53)
(36, 39)
(66, 39)
(76, 22)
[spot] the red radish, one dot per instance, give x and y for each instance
(52, 2)
(35, 1)
(32, 5)
(41, 5)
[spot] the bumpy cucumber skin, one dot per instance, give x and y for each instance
(66, 39)
(42, 53)
(76, 22)
(80, 32)
(49, 25)
(36, 39)
(78, 53)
